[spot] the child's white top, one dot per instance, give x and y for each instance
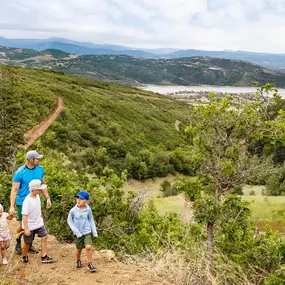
(4, 230)
(32, 209)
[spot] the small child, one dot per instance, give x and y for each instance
(33, 223)
(4, 234)
(80, 220)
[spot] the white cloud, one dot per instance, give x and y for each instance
(256, 25)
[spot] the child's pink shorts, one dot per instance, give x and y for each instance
(5, 237)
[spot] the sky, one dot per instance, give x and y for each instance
(251, 25)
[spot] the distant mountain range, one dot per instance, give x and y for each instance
(273, 61)
(137, 70)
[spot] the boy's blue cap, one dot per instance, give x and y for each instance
(83, 195)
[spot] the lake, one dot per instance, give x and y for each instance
(164, 89)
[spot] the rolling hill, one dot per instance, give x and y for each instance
(135, 71)
(268, 60)
(104, 124)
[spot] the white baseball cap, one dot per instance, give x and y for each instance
(36, 184)
(32, 154)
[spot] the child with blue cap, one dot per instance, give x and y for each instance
(80, 220)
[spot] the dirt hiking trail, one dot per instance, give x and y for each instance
(63, 271)
(34, 133)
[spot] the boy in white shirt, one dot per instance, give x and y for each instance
(33, 223)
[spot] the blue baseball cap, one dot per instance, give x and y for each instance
(83, 195)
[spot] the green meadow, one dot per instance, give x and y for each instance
(267, 211)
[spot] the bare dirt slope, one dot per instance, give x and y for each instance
(34, 133)
(63, 271)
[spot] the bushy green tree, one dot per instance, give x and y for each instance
(169, 189)
(221, 132)
(273, 185)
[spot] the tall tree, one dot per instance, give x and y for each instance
(10, 124)
(222, 133)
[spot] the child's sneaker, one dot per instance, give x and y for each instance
(91, 267)
(33, 250)
(79, 264)
(47, 259)
(4, 260)
(25, 259)
(18, 247)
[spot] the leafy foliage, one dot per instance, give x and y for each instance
(222, 133)
(125, 223)
(108, 126)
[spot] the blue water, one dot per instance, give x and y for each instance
(224, 89)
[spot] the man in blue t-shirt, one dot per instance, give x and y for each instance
(20, 189)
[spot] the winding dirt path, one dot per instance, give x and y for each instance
(34, 133)
(63, 271)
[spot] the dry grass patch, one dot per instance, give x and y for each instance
(189, 268)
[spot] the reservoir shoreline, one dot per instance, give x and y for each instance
(167, 89)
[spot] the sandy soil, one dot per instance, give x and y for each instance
(40, 58)
(63, 271)
(34, 133)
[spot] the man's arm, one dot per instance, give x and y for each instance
(13, 195)
(45, 193)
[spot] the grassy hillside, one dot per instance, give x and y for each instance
(18, 56)
(17, 53)
(33, 102)
(56, 53)
(105, 124)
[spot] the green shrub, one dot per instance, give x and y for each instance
(275, 278)
(237, 190)
(251, 193)
(273, 186)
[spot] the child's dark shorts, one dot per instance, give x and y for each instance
(41, 232)
(83, 240)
